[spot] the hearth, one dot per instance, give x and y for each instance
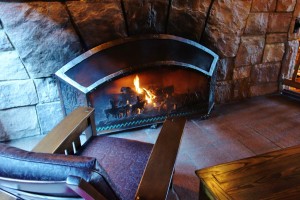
(140, 80)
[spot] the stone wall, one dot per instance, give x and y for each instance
(254, 39)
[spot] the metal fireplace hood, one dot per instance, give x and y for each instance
(116, 59)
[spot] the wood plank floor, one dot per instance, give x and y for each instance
(234, 131)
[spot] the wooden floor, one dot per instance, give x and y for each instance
(234, 131)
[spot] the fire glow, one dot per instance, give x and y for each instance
(149, 96)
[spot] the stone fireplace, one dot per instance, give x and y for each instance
(254, 39)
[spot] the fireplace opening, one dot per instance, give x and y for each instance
(140, 81)
(149, 95)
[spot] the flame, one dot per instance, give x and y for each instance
(136, 83)
(148, 95)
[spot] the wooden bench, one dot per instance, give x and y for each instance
(274, 175)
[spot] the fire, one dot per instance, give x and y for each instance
(149, 96)
(136, 83)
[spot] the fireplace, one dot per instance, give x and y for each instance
(139, 81)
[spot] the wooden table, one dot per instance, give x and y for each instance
(274, 175)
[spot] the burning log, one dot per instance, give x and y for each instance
(138, 106)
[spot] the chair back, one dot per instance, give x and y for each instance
(31, 175)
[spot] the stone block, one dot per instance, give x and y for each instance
(223, 91)
(263, 6)
(17, 93)
(279, 22)
(276, 38)
(250, 51)
(257, 23)
(18, 123)
(289, 59)
(224, 27)
(47, 90)
(49, 115)
(286, 5)
(241, 88)
(241, 72)
(297, 10)
(11, 67)
(187, 18)
(98, 22)
(273, 52)
(263, 89)
(148, 16)
(225, 69)
(5, 45)
(42, 34)
(264, 73)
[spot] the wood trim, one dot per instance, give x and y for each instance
(291, 83)
(158, 173)
(84, 189)
(67, 131)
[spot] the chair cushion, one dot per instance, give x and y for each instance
(19, 164)
(123, 160)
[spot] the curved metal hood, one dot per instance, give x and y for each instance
(111, 60)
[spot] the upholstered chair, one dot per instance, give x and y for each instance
(64, 165)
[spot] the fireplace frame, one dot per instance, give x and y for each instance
(171, 50)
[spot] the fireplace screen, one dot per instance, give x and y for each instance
(140, 81)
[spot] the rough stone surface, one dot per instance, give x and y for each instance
(250, 50)
(11, 67)
(297, 10)
(294, 34)
(276, 38)
(286, 5)
(263, 89)
(225, 69)
(223, 91)
(146, 16)
(187, 18)
(273, 52)
(289, 58)
(257, 23)
(279, 22)
(263, 5)
(42, 34)
(5, 45)
(18, 123)
(241, 72)
(241, 88)
(224, 27)
(264, 73)
(98, 22)
(49, 115)
(17, 93)
(47, 90)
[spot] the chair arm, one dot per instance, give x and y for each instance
(157, 177)
(83, 188)
(67, 132)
